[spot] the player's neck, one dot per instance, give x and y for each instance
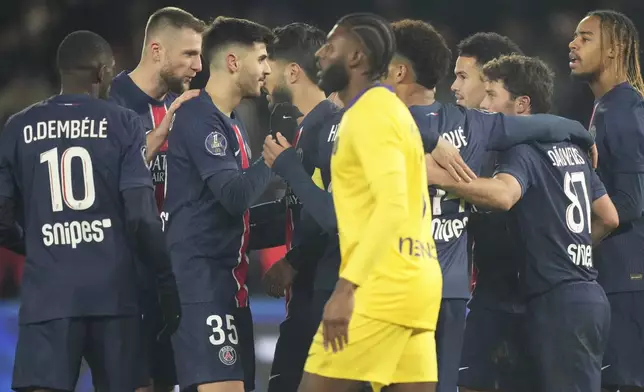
(308, 98)
(148, 81)
(69, 86)
(224, 92)
(356, 86)
(417, 95)
(605, 82)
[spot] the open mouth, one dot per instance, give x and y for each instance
(574, 60)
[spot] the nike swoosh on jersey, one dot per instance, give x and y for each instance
(605, 367)
(463, 368)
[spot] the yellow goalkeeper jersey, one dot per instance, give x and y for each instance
(384, 217)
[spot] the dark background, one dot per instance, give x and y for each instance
(30, 31)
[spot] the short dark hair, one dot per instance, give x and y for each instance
(487, 46)
(173, 17)
(523, 75)
(425, 48)
(376, 36)
(297, 43)
(224, 31)
(83, 50)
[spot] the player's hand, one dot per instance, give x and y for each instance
(278, 278)
(187, 95)
(448, 157)
(171, 309)
(273, 148)
(337, 315)
(594, 156)
(284, 120)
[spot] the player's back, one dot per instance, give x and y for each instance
(68, 163)
(404, 286)
(554, 214)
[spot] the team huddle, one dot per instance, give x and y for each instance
(484, 245)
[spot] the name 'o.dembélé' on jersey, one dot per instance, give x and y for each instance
(70, 157)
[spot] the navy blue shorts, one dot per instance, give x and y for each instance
(449, 341)
(623, 363)
(494, 356)
(49, 354)
(567, 330)
(159, 356)
(296, 334)
(214, 343)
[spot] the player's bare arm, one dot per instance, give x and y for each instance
(604, 219)
(156, 137)
(337, 315)
(449, 158)
(499, 193)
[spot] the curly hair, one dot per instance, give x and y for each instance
(523, 75)
(487, 46)
(425, 48)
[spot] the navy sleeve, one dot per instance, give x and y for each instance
(625, 139)
(144, 224)
(628, 196)
(209, 146)
(134, 171)
(267, 225)
(318, 201)
(11, 234)
(598, 189)
(516, 162)
(308, 242)
(508, 131)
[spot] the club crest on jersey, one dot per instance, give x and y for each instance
(216, 144)
(227, 355)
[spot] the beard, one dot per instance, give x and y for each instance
(281, 94)
(173, 83)
(335, 78)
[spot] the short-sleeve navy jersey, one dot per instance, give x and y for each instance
(473, 133)
(126, 93)
(618, 122)
(70, 157)
(207, 244)
(554, 214)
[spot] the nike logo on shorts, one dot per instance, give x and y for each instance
(463, 368)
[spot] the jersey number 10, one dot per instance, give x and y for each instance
(63, 191)
(574, 187)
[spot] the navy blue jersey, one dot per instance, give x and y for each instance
(618, 122)
(70, 157)
(208, 244)
(126, 93)
(474, 133)
(554, 214)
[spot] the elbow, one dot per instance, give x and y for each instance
(611, 221)
(505, 203)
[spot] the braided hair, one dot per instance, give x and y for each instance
(377, 38)
(622, 31)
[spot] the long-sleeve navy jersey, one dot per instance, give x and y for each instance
(474, 133)
(618, 122)
(309, 193)
(210, 186)
(66, 161)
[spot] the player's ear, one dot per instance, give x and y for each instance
(232, 62)
(293, 72)
(155, 49)
(101, 74)
(401, 71)
(522, 104)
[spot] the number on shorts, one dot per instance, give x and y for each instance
(218, 336)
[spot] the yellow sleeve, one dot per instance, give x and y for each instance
(377, 145)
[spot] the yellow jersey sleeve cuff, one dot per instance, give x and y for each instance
(355, 277)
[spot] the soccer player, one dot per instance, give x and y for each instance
(473, 52)
(555, 198)
(389, 273)
(605, 54)
(211, 184)
(414, 74)
(169, 60)
(77, 164)
(305, 166)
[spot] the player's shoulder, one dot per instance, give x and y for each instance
(199, 113)
(623, 96)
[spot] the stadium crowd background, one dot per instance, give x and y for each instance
(30, 31)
